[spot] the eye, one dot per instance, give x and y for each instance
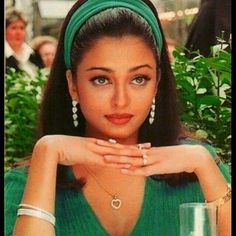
(140, 80)
(100, 80)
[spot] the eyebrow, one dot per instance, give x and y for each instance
(110, 70)
(139, 67)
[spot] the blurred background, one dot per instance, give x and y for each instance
(45, 17)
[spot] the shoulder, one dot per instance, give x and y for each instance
(36, 59)
(16, 177)
(12, 63)
(17, 171)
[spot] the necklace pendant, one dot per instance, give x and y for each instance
(116, 203)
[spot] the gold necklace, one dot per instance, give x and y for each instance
(115, 201)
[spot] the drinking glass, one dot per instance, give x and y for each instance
(198, 219)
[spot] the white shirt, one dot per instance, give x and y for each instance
(23, 59)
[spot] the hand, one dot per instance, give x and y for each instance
(164, 160)
(70, 150)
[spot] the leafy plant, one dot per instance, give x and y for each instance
(204, 87)
(22, 99)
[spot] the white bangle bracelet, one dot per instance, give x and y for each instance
(36, 212)
(23, 205)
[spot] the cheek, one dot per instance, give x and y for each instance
(23, 34)
(142, 105)
(9, 34)
(92, 101)
(92, 109)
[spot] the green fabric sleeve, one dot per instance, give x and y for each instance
(14, 184)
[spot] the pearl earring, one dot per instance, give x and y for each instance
(152, 112)
(74, 111)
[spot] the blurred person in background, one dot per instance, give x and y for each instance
(214, 16)
(18, 53)
(171, 45)
(45, 46)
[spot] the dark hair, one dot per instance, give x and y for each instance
(55, 115)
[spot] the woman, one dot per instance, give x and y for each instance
(112, 158)
(18, 53)
(45, 46)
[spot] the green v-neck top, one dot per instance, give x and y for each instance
(159, 214)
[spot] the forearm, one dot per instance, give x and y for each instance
(214, 186)
(39, 192)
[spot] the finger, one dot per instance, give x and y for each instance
(91, 140)
(114, 143)
(156, 169)
(117, 165)
(145, 159)
(111, 143)
(140, 171)
(117, 151)
(144, 145)
(134, 161)
(99, 160)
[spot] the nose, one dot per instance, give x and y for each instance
(121, 96)
(19, 32)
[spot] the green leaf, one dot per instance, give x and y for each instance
(201, 90)
(210, 100)
(186, 85)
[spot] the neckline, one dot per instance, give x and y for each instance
(97, 221)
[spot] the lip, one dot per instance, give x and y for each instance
(119, 119)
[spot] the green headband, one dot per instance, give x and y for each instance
(92, 7)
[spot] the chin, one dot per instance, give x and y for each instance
(122, 135)
(115, 132)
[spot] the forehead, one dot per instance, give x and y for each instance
(48, 46)
(113, 45)
(17, 23)
(125, 51)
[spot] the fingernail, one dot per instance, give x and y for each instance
(126, 166)
(144, 145)
(111, 140)
(107, 157)
(100, 141)
(147, 145)
(124, 171)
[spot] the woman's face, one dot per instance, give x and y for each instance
(115, 84)
(15, 33)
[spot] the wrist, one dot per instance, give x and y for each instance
(223, 199)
